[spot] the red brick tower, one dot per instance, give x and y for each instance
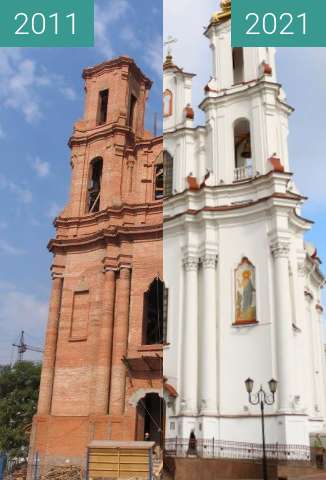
(102, 368)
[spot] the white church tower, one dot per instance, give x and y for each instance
(244, 288)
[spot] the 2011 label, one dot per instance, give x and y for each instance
(38, 23)
(271, 24)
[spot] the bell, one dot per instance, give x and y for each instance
(246, 152)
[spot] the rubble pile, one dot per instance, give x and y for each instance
(63, 473)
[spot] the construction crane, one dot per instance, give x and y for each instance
(22, 347)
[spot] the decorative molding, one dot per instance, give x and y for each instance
(280, 248)
(190, 263)
(209, 260)
(301, 269)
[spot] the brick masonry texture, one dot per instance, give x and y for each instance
(103, 263)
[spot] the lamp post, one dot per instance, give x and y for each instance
(262, 398)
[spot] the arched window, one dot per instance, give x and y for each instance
(94, 186)
(167, 103)
(242, 150)
(132, 109)
(238, 64)
(155, 313)
(102, 112)
(158, 178)
(168, 173)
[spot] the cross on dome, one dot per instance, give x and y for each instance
(168, 59)
(168, 43)
(225, 14)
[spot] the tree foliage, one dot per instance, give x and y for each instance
(18, 401)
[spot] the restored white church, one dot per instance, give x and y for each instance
(244, 288)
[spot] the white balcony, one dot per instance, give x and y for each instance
(243, 173)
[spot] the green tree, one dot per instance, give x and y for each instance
(18, 401)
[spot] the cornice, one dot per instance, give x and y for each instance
(182, 129)
(110, 212)
(251, 87)
(115, 235)
(286, 201)
(103, 132)
(314, 272)
(111, 65)
(236, 187)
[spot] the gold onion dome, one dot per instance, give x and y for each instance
(225, 14)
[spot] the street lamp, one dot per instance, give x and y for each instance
(262, 398)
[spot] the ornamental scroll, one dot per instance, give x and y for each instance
(245, 292)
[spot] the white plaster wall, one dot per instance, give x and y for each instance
(240, 351)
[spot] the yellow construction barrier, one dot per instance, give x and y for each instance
(111, 460)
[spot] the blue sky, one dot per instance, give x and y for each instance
(41, 96)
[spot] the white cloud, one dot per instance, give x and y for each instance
(54, 210)
(8, 249)
(191, 51)
(20, 311)
(106, 14)
(23, 194)
(22, 79)
(154, 55)
(41, 168)
(2, 133)
(68, 92)
(128, 35)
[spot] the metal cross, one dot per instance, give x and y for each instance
(168, 43)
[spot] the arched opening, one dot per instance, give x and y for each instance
(168, 173)
(242, 150)
(102, 111)
(94, 186)
(238, 65)
(151, 419)
(155, 313)
(167, 103)
(132, 109)
(159, 180)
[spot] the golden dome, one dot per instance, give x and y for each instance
(223, 15)
(226, 5)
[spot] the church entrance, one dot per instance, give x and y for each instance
(151, 418)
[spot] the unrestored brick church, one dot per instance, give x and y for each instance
(102, 370)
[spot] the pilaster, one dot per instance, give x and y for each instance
(190, 337)
(280, 249)
(120, 342)
(208, 338)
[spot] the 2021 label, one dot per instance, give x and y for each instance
(271, 24)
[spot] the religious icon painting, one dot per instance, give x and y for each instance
(245, 292)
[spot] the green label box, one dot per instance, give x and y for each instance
(278, 23)
(47, 23)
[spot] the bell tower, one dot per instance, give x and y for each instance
(103, 349)
(102, 144)
(249, 120)
(238, 270)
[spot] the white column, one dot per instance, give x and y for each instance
(190, 338)
(208, 341)
(321, 349)
(284, 334)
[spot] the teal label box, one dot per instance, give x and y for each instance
(278, 23)
(47, 23)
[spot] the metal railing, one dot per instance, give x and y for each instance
(211, 448)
